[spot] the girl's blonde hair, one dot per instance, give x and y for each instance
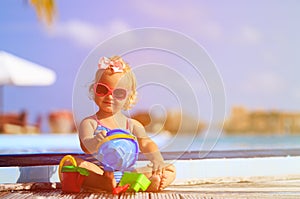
(127, 73)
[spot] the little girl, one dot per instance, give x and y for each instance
(114, 90)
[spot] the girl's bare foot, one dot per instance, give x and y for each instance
(168, 176)
(155, 183)
(158, 183)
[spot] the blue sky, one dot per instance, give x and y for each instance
(254, 44)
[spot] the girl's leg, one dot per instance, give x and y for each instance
(159, 182)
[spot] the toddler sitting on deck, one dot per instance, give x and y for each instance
(114, 90)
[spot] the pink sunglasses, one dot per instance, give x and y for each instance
(102, 90)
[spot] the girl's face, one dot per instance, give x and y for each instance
(115, 91)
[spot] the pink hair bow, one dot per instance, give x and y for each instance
(105, 63)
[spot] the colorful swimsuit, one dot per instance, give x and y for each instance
(100, 127)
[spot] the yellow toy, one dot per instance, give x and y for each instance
(71, 177)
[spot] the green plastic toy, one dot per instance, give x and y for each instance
(137, 181)
(72, 168)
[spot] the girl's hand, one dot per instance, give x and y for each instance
(101, 135)
(158, 167)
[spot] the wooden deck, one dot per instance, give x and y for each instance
(231, 187)
(267, 187)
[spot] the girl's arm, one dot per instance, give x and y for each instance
(89, 142)
(148, 147)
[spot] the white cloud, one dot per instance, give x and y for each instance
(87, 34)
(264, 84)
(249, 35)
(198, 20)
(210, 30)
(190, 18)
(179, 11)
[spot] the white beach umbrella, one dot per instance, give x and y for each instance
(20, 72)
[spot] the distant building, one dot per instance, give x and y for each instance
(262, 122)
(61, 121)
(173, 122)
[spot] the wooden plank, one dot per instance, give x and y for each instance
(210, 195)
(32, 186)
(9, 160)
(169, 195)
(268, 188)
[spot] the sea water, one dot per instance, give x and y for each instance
(229, 142)
(69, 143)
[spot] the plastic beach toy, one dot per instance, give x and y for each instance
(118, 151)
(136, 181)
(71, 177)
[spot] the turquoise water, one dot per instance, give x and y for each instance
(224, 143)
(51, 143)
